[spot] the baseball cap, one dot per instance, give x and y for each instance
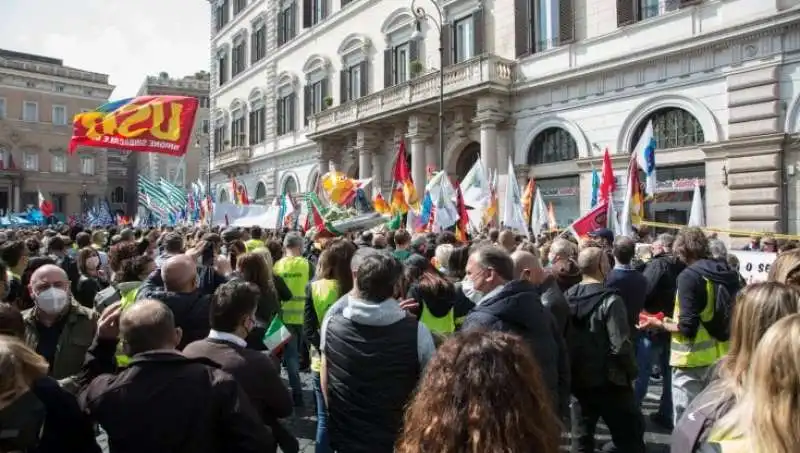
(603, 233)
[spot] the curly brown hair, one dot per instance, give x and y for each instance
(482, 392)
(691, 244)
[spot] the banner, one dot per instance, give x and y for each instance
(592, 220)
(754, 266)
(155, 124)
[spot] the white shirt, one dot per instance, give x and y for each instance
(225, 336)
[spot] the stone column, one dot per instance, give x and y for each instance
(419, 131)
(377, 176)
(324, 165)
(364, 163)
(367, 143)
(10, 196)
(491, 111)
(17, 198)
(489, 146)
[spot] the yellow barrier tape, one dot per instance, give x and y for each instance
(674, 226)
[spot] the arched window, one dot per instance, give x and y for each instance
(261, 193)
(290, 186)
(223, 196)
(118, 195)
(552, 145)
(469, 155)
(672, 128)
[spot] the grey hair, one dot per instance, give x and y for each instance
(496, 258)
(293, 240)
(718, 250)
(563, 248)
(665, 240)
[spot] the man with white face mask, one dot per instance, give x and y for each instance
(57, 327)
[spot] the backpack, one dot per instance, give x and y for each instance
(719, 326)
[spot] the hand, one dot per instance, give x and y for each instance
(222, 265)
(108, 324)
(410, 306)
(650, 322)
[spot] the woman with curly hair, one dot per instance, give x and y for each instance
(481, 392)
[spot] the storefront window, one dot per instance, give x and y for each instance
(675, 188)
(563, 194)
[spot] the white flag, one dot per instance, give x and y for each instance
(697, 215)
(512, 208)
(539, 217)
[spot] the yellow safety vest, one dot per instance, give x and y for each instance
(723, 442)
(127, 298)
(324, 294)
(296, 272)
(444, 325)
(11, 274)
(703, 349)
(253, 244)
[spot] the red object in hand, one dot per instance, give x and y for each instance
(643, 316)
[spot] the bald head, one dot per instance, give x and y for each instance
(592, 262)
(179, 274)
(148, 325)
(527, 266)
(507, 240)
(49, 272)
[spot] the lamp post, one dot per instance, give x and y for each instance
(438, 21)
(207, 142)
(84, 198)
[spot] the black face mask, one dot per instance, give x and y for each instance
(21, 423)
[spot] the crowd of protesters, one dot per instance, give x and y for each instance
(414, 342)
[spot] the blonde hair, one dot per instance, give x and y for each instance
(786, 268)
(769, 412)
(442, 254)
(19, 367)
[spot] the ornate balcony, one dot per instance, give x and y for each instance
(486, 72)
(233, 160)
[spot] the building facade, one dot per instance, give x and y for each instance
(181, 171)
(38, 98)
(300, 84)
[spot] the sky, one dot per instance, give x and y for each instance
(128, 40)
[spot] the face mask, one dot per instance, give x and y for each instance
(52, 300)
(468, 287)
(92, 263)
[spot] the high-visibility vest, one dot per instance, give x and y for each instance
(722, 442)
(296, 272)
(253, 244)
(127, 299)
(703, 349)
(324, 294)
(445, 324)
(11, 274)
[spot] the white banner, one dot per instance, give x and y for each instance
(754, 266)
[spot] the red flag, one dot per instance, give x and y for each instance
(45, 206)
(607, 182)
(463, 216)
(592, 220)
(401, 171)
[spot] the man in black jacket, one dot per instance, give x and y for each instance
(602, 359)
(513, 306)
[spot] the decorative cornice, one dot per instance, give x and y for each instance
(746, 146)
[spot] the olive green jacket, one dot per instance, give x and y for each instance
(77, 336)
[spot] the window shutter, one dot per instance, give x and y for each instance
(566, 22)
(279, 115)
(388, 67)
(364, 78)
(307, 13)
(447, 45)
(479, 34)
(324, 89)
(343, 76)
(279, 28)
(324, 8)
(522, 27)
(293, 27)
(685, 3)
(253, 47)
(626, 12)
(413, 50)
(306, 103)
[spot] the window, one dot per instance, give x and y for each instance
(58, 164)
(59, 88)
(238, 137)
(258, 125)
(220, 138)
(239, 6)
(672, 128)
(2, 108)
(59, 115)
(238, 62)
(354, 81)
(653, 8)
(87, 165)
(222, 67)
(258, 43)
(464, 39)
(287, 23)
(205, 127)
(222, 14)
(31, 161)
(315, 94)
(59, 201)
(314, 11)
(118, 195)
(545, 30)
(397, 63)
(552, 145)
(203, 102)
(285, 111)
(30, 112)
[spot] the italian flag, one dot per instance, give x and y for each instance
(276, 336)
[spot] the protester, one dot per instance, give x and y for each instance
(630, 284)
(91, 280)
(256, 269)
(528, 267)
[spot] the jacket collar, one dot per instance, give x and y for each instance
(75, 313)
(168, 356)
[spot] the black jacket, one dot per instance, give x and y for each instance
(66, 428)
(191, 310)
(518, 309)
(553, 298)
(598, 321)
(662, 274)
(691, 287)
(87, 288)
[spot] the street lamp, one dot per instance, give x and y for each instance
(438, 21)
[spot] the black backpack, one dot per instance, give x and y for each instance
(719, 326)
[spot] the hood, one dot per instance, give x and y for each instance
(519, 303)
(582, 298)
(718, 272)
(176, 300)
(565, 268)
(437, 303)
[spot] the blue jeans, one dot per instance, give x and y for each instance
(650, 348)
(322, 441)
(291, 359)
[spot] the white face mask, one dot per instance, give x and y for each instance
(52, 300)
(468, 287)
